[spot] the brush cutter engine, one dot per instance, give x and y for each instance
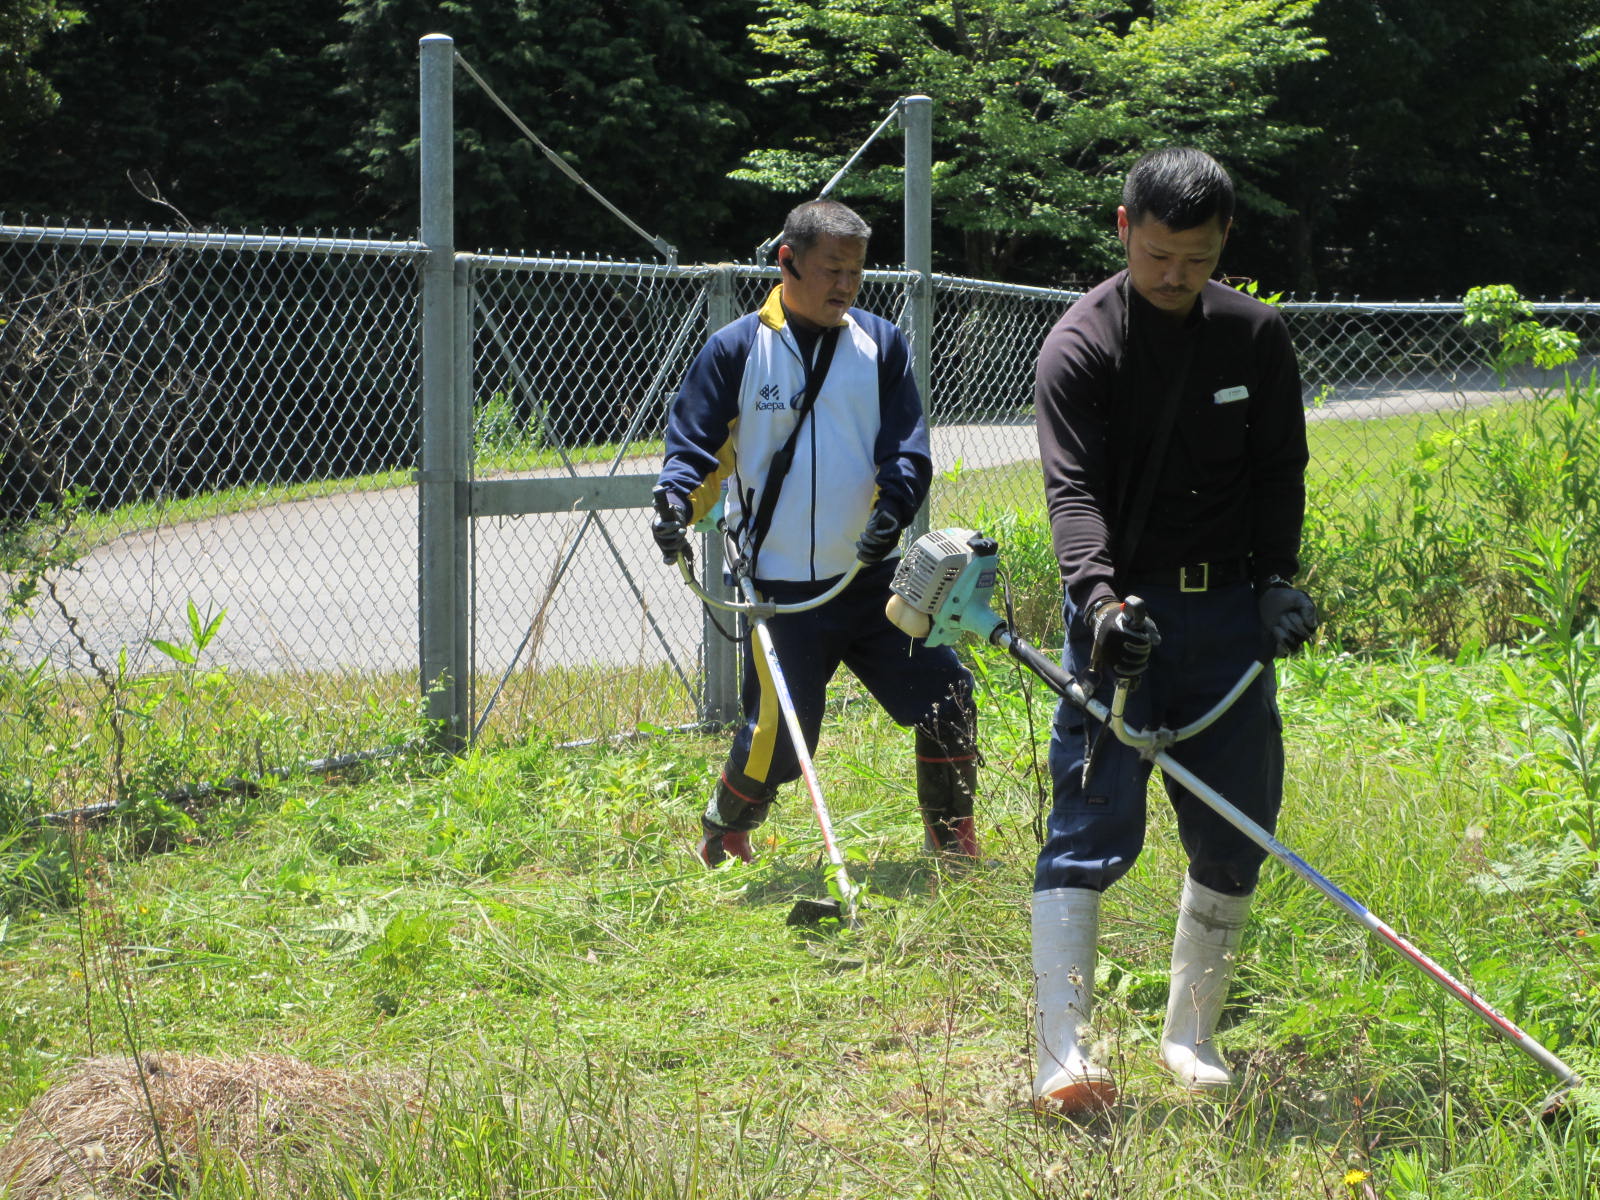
(942, 587)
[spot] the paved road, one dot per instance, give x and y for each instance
(329, 583)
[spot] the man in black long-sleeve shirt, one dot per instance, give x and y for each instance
(1173, 442)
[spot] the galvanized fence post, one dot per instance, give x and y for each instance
(719, 699)
(442, 477)
(916, 119)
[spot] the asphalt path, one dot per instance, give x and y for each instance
(330, 583)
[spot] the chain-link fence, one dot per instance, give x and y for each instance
(229, 424)
(219, 428)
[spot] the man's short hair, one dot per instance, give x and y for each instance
(815, 219)
(1179, 186)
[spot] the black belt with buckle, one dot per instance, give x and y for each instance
(1195, 577)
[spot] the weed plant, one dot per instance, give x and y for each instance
(1427, 550)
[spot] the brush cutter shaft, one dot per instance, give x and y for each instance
(1500, 1024)
(1153, 742)
(808, 771)
(757, 612)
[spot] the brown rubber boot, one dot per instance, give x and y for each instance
(738, 805)
(947, 781)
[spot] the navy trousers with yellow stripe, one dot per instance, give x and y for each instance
(917, 685)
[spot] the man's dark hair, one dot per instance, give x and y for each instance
(1179, 186)
(818, 219)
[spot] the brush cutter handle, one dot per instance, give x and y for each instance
(1154, 740)
(671, 528)
(752, 605)
(1124, 636)
(1075, 693)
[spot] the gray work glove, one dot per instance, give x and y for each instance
(880, 538)
(1288, 615)
(670, 528)
(1120, 645)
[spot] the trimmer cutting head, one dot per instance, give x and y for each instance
(815, 912)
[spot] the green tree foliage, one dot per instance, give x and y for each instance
(1435, 144)
(1041, 106)
(26, 93)
(223, 113)
(1457, 143)
(642, 97)
(1520, 338)
(303, 113)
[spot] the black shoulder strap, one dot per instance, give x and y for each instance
(1132, 522)
(816, 372)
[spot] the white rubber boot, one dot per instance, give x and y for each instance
(1066, 929)
(1204, 948)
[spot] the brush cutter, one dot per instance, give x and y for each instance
(941, 590)
(757, 612)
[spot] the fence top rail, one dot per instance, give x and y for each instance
(182, 239)
(289, 243)
(1441, 307)
(552, 265)
(961, 283)
(557, 265)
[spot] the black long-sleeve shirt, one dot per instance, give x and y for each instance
(1232, 484)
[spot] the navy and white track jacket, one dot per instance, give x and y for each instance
(864, 442)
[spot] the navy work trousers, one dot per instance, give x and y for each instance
(1096, 831)
(917, 685)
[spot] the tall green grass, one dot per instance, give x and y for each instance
(590, 1013)
(1421, 544)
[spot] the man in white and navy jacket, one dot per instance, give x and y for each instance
(859, 472)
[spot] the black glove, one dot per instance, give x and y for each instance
(670, 528)
(1288, 615)
(1120, 646)
(880, 538)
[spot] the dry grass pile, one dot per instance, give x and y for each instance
(93, 1133)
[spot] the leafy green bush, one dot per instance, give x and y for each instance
(1436, 564)
(1520, 339)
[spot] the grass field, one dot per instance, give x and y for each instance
(587, 1012)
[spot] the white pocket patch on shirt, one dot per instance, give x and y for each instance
(1230, 395)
